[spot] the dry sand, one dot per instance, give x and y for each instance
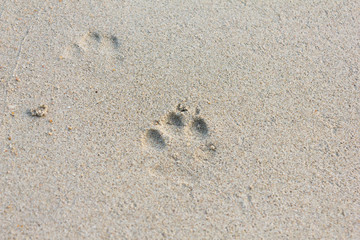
(180, 119)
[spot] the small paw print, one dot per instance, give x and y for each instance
(182, 144)
(95, 46)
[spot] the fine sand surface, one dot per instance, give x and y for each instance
(204, 119)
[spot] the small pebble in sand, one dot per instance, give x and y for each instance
(40, 111)
(212, 147)
(182, 107)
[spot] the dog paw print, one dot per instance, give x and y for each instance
(180, 145)
(95, 46)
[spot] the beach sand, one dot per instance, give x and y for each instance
(179, 119)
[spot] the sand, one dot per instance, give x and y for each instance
(180, 119)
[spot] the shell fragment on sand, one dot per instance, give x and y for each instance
(40, 111)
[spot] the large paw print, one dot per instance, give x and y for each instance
(180, 145)
(94, 46)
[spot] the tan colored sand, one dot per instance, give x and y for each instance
(264, 144)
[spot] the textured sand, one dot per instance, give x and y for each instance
(180, 119)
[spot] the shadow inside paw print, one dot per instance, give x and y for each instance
(155, 139)
(182, 144)
(199, 127)
(94, 46)
(175, 119)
